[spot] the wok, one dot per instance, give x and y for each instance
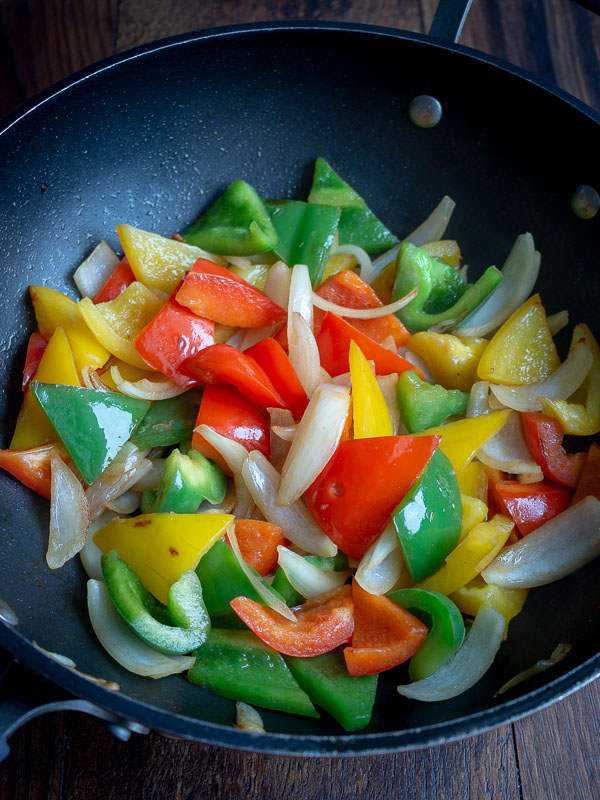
(150, 137)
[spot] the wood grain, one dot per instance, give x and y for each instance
(552, 754)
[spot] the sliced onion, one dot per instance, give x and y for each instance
(234, 454)
(296, 521)
(237, 339)
(364, 259)
(277, 288)
(382, 565)
(226, 506)
(431, 230)
(247, 718)
(315, 440)
(91, 554)
(559, 652)
(239, 261)
(286, 433)
(150, 481)
(467, 665)
(127, 503)
(531, 477)
(556, 322)
(69, 515)
(304, 353)
(417, 361)
(300, 297)
(389, 386)
(146, 389)
(124, 472)
(558, 386)
(555, 549)
(519, 275)
(364, 313)
(259, 585)
(390, 344)
(507, 450)
(91, 380)
(93, 272)
(280, 418)
(306, 578)
(123, 644)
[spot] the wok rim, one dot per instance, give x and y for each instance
(190, 728)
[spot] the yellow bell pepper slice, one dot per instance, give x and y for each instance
(477, 594)
(383, 284)
(580, 418)
(446, 249)
(473, 481)
(338, 263)
(256, 275)
(116, 324)
(56, 366)
(523, 350)
(462, 439)
(474, 511)
(369, 410)
(471, 556)
(53, 309)
(156, 261)
(160, 547)
(451, 360)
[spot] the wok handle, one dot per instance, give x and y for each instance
(26, 695)
(451, 15)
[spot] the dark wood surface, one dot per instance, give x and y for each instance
(552, 754)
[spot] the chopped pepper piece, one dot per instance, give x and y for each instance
(544, 437)
(423, 405)
(160, 547)
(326, 681)
(451, 360)
(473, 481)
(531, 504)
(477, 593)
(369, 410)
(185, 483)
(167, 422)
(237, 223)
(272, 358)
(305, 234)
(35, 350)
(358, 225)
(118, 280)
(258, 541)
(237, 665)
(179, 628)
(429, 518)
(32, 467)
(92, 425)
(442, 296)
(446, 629)
(589, 483)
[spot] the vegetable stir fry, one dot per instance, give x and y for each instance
(288, 465)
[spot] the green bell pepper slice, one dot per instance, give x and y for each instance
(305, 234)
(185, 483)
(428, 521)
(168, 422)
(358, 225)
(177, 628)
(326, 681)
(93, 425)
(237, 665)
(441, 297)
(446, 629)
(237, 223)
(424, 405)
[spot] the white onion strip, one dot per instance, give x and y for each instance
(277, 289)
(126, 470)
(556, 322)
(306, 578)
(300, 297)
(296, 521)
(558, 386)
(90, 554)
(304, 353)
(93, 272)
(126, 503)
(123, 644)
(91, 379)
(364, 259)
(258, 584)
(364, 313)
(234, 454)
(146, 389)
(388, 385)
(467, 665)
(69, 514)
(555, 549)
(519, 274)
(382, 565)
(315, 440)
(281, 418)
(285, 432)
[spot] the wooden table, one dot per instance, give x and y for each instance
(552, 754)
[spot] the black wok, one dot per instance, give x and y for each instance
(150, 137)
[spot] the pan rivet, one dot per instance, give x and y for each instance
(7, 614)
(425, 111)
(585, 202)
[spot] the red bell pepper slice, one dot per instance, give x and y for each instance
(385, 634)
(35, 351)
(273, 359)
(322, 624)
(589, 483)
(32, 467)
(175, 334)
(348, 289)
(353, 498)
(531, 504)
(212, 291)
(231, 414)
(334, 340)
(222, 363)
(258, 541)
(544, 437)
(119, 279)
